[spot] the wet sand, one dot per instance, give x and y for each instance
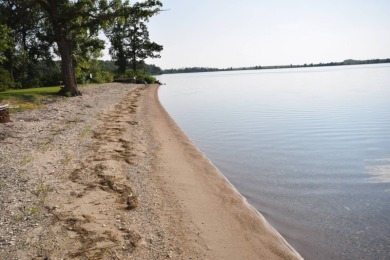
(227, 224)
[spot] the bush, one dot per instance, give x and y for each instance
(5, 80)
(103, 77)
(141, 77)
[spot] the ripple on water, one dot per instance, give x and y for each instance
(308, 148)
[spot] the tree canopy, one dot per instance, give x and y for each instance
(36, 31)
(129, 36)
(5, 40)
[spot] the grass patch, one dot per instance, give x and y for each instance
(19, 105)
(56, 129)
(3, 185)
(87, 130)
(34, 211)
(22, 176)
(44, 146)
(42, 190)
(25, 160)
(29, 93)
(24, 99)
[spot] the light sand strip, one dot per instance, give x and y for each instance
(230, 228)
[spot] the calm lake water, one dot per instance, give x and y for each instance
(309, 149)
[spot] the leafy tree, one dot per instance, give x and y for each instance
(18, 30)
(129, 36)
(67, 28)
(152, 69)
(141, 47)
(41, 29)
(5, 41)
(74, 27)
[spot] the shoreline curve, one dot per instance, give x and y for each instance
(252, 235)
(111, 176)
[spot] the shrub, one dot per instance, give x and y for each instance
(103, 77)
(5, 80)
(141, 77)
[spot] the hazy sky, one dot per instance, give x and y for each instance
(229, 33)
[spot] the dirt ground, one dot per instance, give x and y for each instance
(76, 181)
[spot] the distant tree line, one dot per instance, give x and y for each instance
(43, 42)
(189, 70)
(343, 63)
(205, 69)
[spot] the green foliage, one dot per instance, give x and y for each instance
(26, 48)
(151, 69)
(191, 70)
(100, 74)
(103, 77)
(35, 33)
(5, 41)
(24, 99)
(141, 77)
(5, 80)
(95, 72)
(49, 72)
(29, 94)
(129, 36)
(108, 65)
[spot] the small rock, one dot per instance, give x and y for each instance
(132, 202)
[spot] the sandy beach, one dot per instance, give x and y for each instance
(109, 175)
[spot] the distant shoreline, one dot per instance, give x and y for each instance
(291, 66)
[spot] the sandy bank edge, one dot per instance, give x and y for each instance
(67, 172)
(229, 225)
(70, 164)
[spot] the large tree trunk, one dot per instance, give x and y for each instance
(134, 49)
(134, 62)
(67, 68)
(64, 48)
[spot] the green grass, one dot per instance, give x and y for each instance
(29, 93)
(87, 130)
(25, 160)
(30, 98)
(34, 211)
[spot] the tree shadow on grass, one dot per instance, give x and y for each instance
(22, 99)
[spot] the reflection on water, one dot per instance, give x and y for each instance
(309, 148)
(380, 169)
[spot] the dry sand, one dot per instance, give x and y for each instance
(110, 176)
